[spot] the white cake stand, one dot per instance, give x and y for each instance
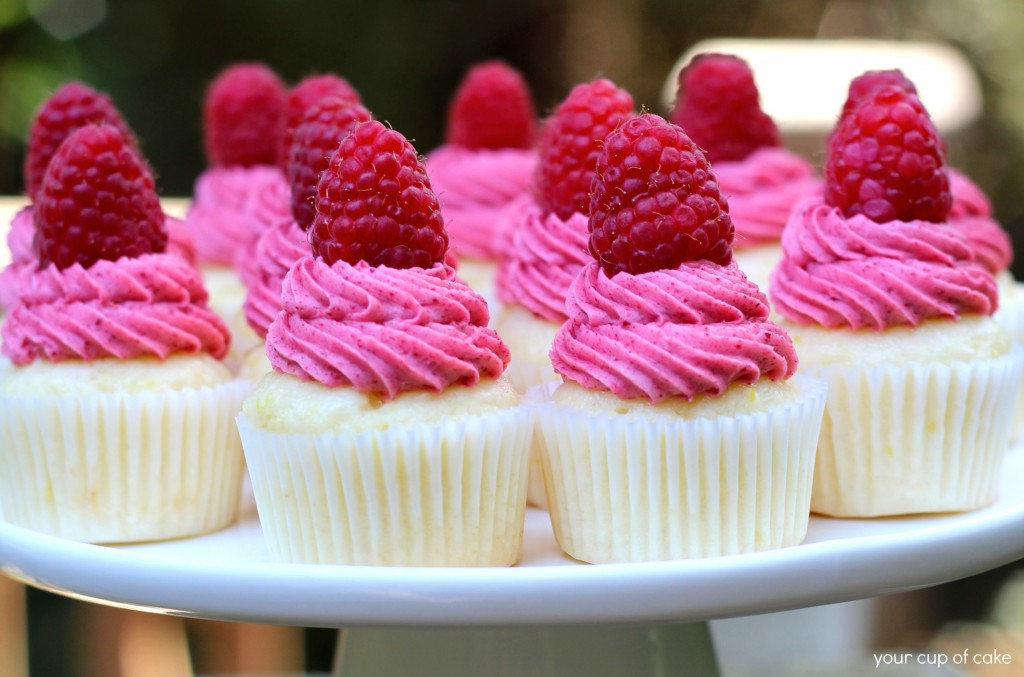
(549, 615)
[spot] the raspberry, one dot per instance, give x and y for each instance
(73, 105)
(243, 116)
(869, 81)
(310, 91)
(318, 135)
(97, 202)
(885, 160)
(492, 109)
(717, 104)
(571, 141)
(655, 201)
(374, 203)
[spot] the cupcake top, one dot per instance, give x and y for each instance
(548, 237)
(243, 192)
(717, 104)
(876, 250)
(375, 307)
(317, 135)
(970, 212)
(104, 286)
(487, 159)
(663, 311)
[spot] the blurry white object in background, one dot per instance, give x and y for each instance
(803, 83)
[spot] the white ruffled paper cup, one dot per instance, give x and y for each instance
(915, 437)
(448, 494)
(122, 467)
(629, 489)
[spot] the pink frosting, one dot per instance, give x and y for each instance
(15, 277)
(382, 330)
(545, 256)
(232, 208)
(972, 216)
(152, 305)
(762, 190)
(669, 333)
(474, 186)
(855, 273)
(277, 251)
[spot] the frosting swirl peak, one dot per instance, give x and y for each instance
(678, 332)
(152, 305)
(382, 330)
(855, 273)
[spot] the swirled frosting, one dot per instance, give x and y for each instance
(545, 256)
(382, 330)
(152, 305)
(473, 187)
(762, 190)
(971, 214)
(855, 273)
(679, 332)
(277, 250)
(15, 276)
(232, 208)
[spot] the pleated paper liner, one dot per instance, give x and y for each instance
(626, 489)
(446, 494)
(914, 438)
(122, 467)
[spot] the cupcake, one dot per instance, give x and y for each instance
(385, 434)
(316, 137)
(116, 416)
(886, 300)
(485, 164)
(548, 244)
(717, 105)
(243, 192)
(678, 431)
(73, 105)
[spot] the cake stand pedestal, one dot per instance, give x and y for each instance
(549, 615)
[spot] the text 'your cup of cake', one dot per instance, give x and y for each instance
(679, 431)
(888, 301)
(386, 434)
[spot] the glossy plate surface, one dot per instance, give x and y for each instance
(228, 575)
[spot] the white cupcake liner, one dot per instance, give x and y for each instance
(122, 467)
(628, 489)
(914, 438)
(1011, 317)
(448, 494)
